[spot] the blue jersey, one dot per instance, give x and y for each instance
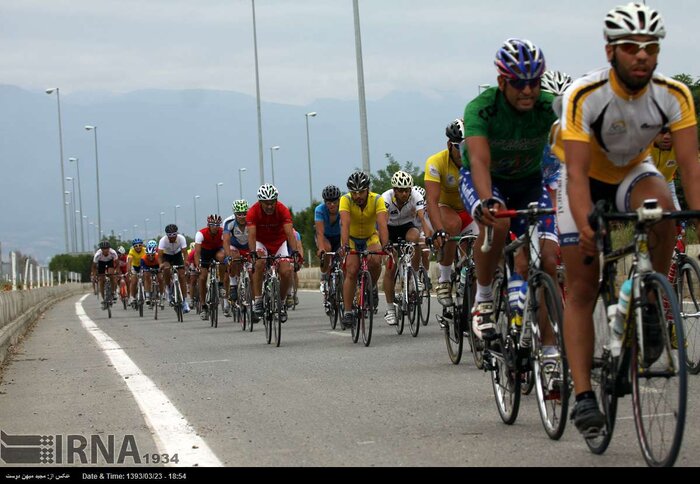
(321, 214)
(551, 167)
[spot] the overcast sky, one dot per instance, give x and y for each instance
(306, 47)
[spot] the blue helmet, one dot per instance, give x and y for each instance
(151, 247)
(136, 241)
(520, 59)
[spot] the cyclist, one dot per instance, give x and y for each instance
(610, 118)
(327, 237)
(363, 226)
(425, 227)
(445, 209)
(664, 157)
(269, 227)
(133, 261)
(404, 205)
(209, 245)
(192, 274)
(104, 261)
(236, 242)
(149, 263)
(172, 251)
(506, 130)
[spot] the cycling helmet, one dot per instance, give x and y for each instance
(331, 192)
(401, 179)
(121, 250)
(555, 82)
(214, 219)
(420, 190)
(267, 192)
(151, 247)
(455, 130)
(171, 229)
(358, 181)
(239, 206)
(519, 59)
(136, 241)
(633, 19)
(104, 244)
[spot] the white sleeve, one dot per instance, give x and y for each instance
(198, 238)
(162, 242)
(97, 256)
(183, 241)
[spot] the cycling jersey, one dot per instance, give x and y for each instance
(172, 248)
(363, 221)
(136, 256)
(439, 169)
(100, 257)
(209, 241)
(619, 126)
(322, 214)
(516, 139)
(405, 214)
(269, 228)
(122, 264)
(149, 262)
(665, 162)
(551, 166)
(238, 233)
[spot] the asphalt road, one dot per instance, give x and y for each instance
(220, 396)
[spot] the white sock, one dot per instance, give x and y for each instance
(445, 273)
(483, 293)
(233, 280)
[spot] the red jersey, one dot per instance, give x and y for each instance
(269, 229)
(147, 261)
(122, 264)
(210, 241)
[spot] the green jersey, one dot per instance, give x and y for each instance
(516, 139)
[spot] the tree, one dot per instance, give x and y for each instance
(381, 182)
(694, 86)
(304, 224)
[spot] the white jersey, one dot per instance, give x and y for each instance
(239, 237)
(172, 248)
(407, 213)
(100, 257)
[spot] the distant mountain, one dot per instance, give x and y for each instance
(160, 148)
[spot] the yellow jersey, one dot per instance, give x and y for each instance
(136, 256)
(665, 162)
(439, 169)
(363, 222)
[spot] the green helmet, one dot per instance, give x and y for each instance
(239, 206)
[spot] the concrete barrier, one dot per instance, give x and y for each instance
(18, 309)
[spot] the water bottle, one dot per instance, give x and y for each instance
(460, 285)
(515, 285)
(617, 314)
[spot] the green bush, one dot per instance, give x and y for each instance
(80, 263)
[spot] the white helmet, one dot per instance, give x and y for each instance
(401, 179)
(267, 192)
(555, 82)
(633, 19)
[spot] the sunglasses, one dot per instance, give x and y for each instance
(332, 202)
(520, 84)
(632, 47)
(172, 235)
(402, 190)
(241, 214)
(138, 246)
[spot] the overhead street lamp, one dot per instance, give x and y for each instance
(361, 89)
(160, 219)
(97, 177)
(272, 161)
(60, 144)
(257, 92)
(218, 204)
(240, 180)
(80, 203)
(483, 87)
(308, 152)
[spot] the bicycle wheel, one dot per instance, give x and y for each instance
(659, 373)
(687, 287)
(551, 380)
(155, 302)
(329, 298)
(212, 302)
(413, 301)
(505, 377)
(339, 300)
(399, 303)
(108, 297)
(603, 378)
(249, 303)
(454, 338)
(267, 312)
(178, 301)
(475, 344)
(277, 309)
(367, 309)
(424, 307)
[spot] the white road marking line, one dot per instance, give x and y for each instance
(366, 442)
(206, 361)
(172, 433)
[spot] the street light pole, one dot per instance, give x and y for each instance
(272, 161)
(63, 182)
(145, 228)
(308, 152)
(361, 89)
(176, 207)
(97, 176)
(218, 204)
(483, 87)
(74, 210)
(160, 219)
(80, 202)
(67, 205)
(90, 226)
(71, 201)
(196, 197)
(240, 181)
(257, 92)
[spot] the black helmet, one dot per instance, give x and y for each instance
(104, 244)
(171, 229)
(331, 192)
(358, 181)
(455, 131)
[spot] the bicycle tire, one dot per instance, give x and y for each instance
(505, 377)
(475, 344)
(399, 303)
(108, 297)
(424, 307)
(454, 338)
(249, 304)
(339, 300)
(413, 301)
(552, 388)
(277, 309)
(178, 299)
(329, 297)
(687, 287)
(655, 408)
(267, 312)
(368, 308)
(602, 378)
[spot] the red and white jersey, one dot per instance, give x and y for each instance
(208, 240)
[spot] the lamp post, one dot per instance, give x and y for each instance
(69, 209)
(176, 207)
(218, 204)
(84, 218)
(483, 87)
(257, 92)
(308, 152)
(196, 197)
(90, 227)
(160, 219)
(74, 210)
(80, 202)
(60, 144)
(97, 177)
(272, 161)
(361, 89)
(240, 180)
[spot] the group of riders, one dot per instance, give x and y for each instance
(538, 136)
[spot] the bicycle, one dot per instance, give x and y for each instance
(525, 355)
(684, 276)
(244, 302)
(333, 291)
(156, 295)
(176, 297)
(212, 295)
(424, 286)
(140, 293)
(647, 366)
(123, 291)
(406, 294)
(273, 305)
(364, 305)
(107, 300)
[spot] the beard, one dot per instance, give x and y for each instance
(632, 83)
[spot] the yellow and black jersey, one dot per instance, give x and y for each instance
(620, 127)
